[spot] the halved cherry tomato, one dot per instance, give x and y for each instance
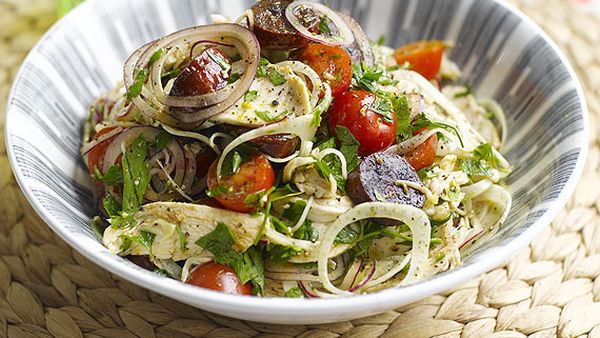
(352, 110)
(423, 155)
(96, 154)
(203, 75)
(424, 57)
(333, 64)
(256, 174)
(218, 277)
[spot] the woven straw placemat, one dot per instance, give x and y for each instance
(549, 289)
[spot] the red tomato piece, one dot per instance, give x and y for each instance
(352, 110)
(203, 75)
(96, 154)
(256, 174)
(333, 64)
(423, 155)
(424, 57)
(218, 277)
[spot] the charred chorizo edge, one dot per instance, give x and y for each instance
(377, 179)
(274, 31)
(277, 146)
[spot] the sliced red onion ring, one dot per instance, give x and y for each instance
(124, 139)
(173, 161)
(470, 239)
(345, 36)
(365, 280)
(360, 39)
(190, 169)
(115, 148)
(307, 289)
(198, 108)
(126, 114)
(102, 138)
(351, 274)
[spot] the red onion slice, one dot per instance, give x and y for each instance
(197, 108)
(123, 140)
(360, 39)
(470, 239)
(345, 36)
(307, 289)
(115, 148)
(365, 280)
(86, 148)
(173, 161)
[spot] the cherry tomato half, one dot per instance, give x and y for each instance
(423, 155)
(218, 277)
(333, 64)
(203, 75)
(256, 174)
(352, 110)
(424, 57)
(96, 154)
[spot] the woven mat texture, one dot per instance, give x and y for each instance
(550, 289)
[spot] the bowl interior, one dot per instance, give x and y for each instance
(502, 54)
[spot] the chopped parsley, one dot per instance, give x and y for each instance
(292, 214)
(162, 139)
(280, 253)
(348, 146)
(484, 160)
(331, 164)
(383, 107)
(250, 96)
(217, 191)
(249, 265)
(475, 168)
(262, 68)
(111, 205)
(422, 121)
(366, 77)
(136, 88)
(346, 236)
(136, 176)
(294, 292)
(233, 77)
(155, 57)
(145, 238)
(322, 168)
(402, 110)
(234, 159)
(267, 116)
(486, 153)
(113, 176)
(273, 75)
(324, 25)
(468, 91)
(141, 76)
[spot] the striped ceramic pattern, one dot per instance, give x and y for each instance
(502, 55)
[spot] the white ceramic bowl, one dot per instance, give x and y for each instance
(502, 53)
